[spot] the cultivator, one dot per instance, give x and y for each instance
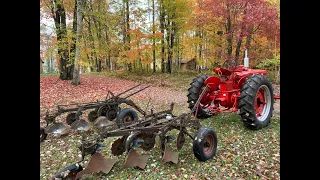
(135, 133)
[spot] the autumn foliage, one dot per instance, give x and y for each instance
(123, 35)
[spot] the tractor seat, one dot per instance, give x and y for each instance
(222, 71)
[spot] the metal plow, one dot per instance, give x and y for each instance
(101, 113)
(139, 134)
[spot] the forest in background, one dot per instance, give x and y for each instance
(157, 35)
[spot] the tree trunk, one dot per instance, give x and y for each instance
(76, 77)
(109, 50)
(168, 29)
(238, 48)
(41, 68)
(241, 36)
(172, 31)
(51, 63)
(178, 52)
(127, 28)
(162, 15)
(74, 32)
(91, 43)
(98, 29)
(59, 15)
(229, 32)
(153, 40)
(249, 37)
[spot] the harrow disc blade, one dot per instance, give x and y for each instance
(81, 125)
(97, 163)
(102, 121)
(135, 160)
(56, 128)
(169, 155)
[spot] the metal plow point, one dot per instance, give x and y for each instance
(135, 160)
(56, 128)
(102, 121)
(97, 163)
(169, 155)
(81, 125)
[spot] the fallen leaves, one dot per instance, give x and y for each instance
(241, 153)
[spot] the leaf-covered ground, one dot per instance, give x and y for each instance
(241, 154)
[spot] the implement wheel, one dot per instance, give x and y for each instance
(205, 144)
(126, 115)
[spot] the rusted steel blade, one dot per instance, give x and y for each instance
(97, 163)
(56, 128)
(169, 155)
(102, 121)
(80, 125)
(135, 160)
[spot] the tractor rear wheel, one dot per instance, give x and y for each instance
(256, 102)
(194, 91)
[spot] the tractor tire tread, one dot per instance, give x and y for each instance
(247, 101)
(193, 94)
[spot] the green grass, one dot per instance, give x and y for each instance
(176, 81)
(49, 74)
(241, 154)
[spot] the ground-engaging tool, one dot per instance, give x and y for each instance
(104, 111)
(142, 134)
(235, 88)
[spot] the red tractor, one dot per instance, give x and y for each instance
(236, 87)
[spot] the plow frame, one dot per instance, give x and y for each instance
(110, 100)
(157, 124)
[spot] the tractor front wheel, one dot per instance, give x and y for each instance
(256, 102)
(194, 91)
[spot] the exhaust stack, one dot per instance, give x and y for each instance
(246, 59)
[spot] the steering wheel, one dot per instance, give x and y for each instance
(229, 64)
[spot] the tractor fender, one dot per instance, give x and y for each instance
(213, 82)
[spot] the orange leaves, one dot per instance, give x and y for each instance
(130, 55)
(140, 47)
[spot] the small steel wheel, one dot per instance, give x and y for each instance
(71, 117)
(205, 144)
(126, 115)
(43, 135)
(70, 172)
